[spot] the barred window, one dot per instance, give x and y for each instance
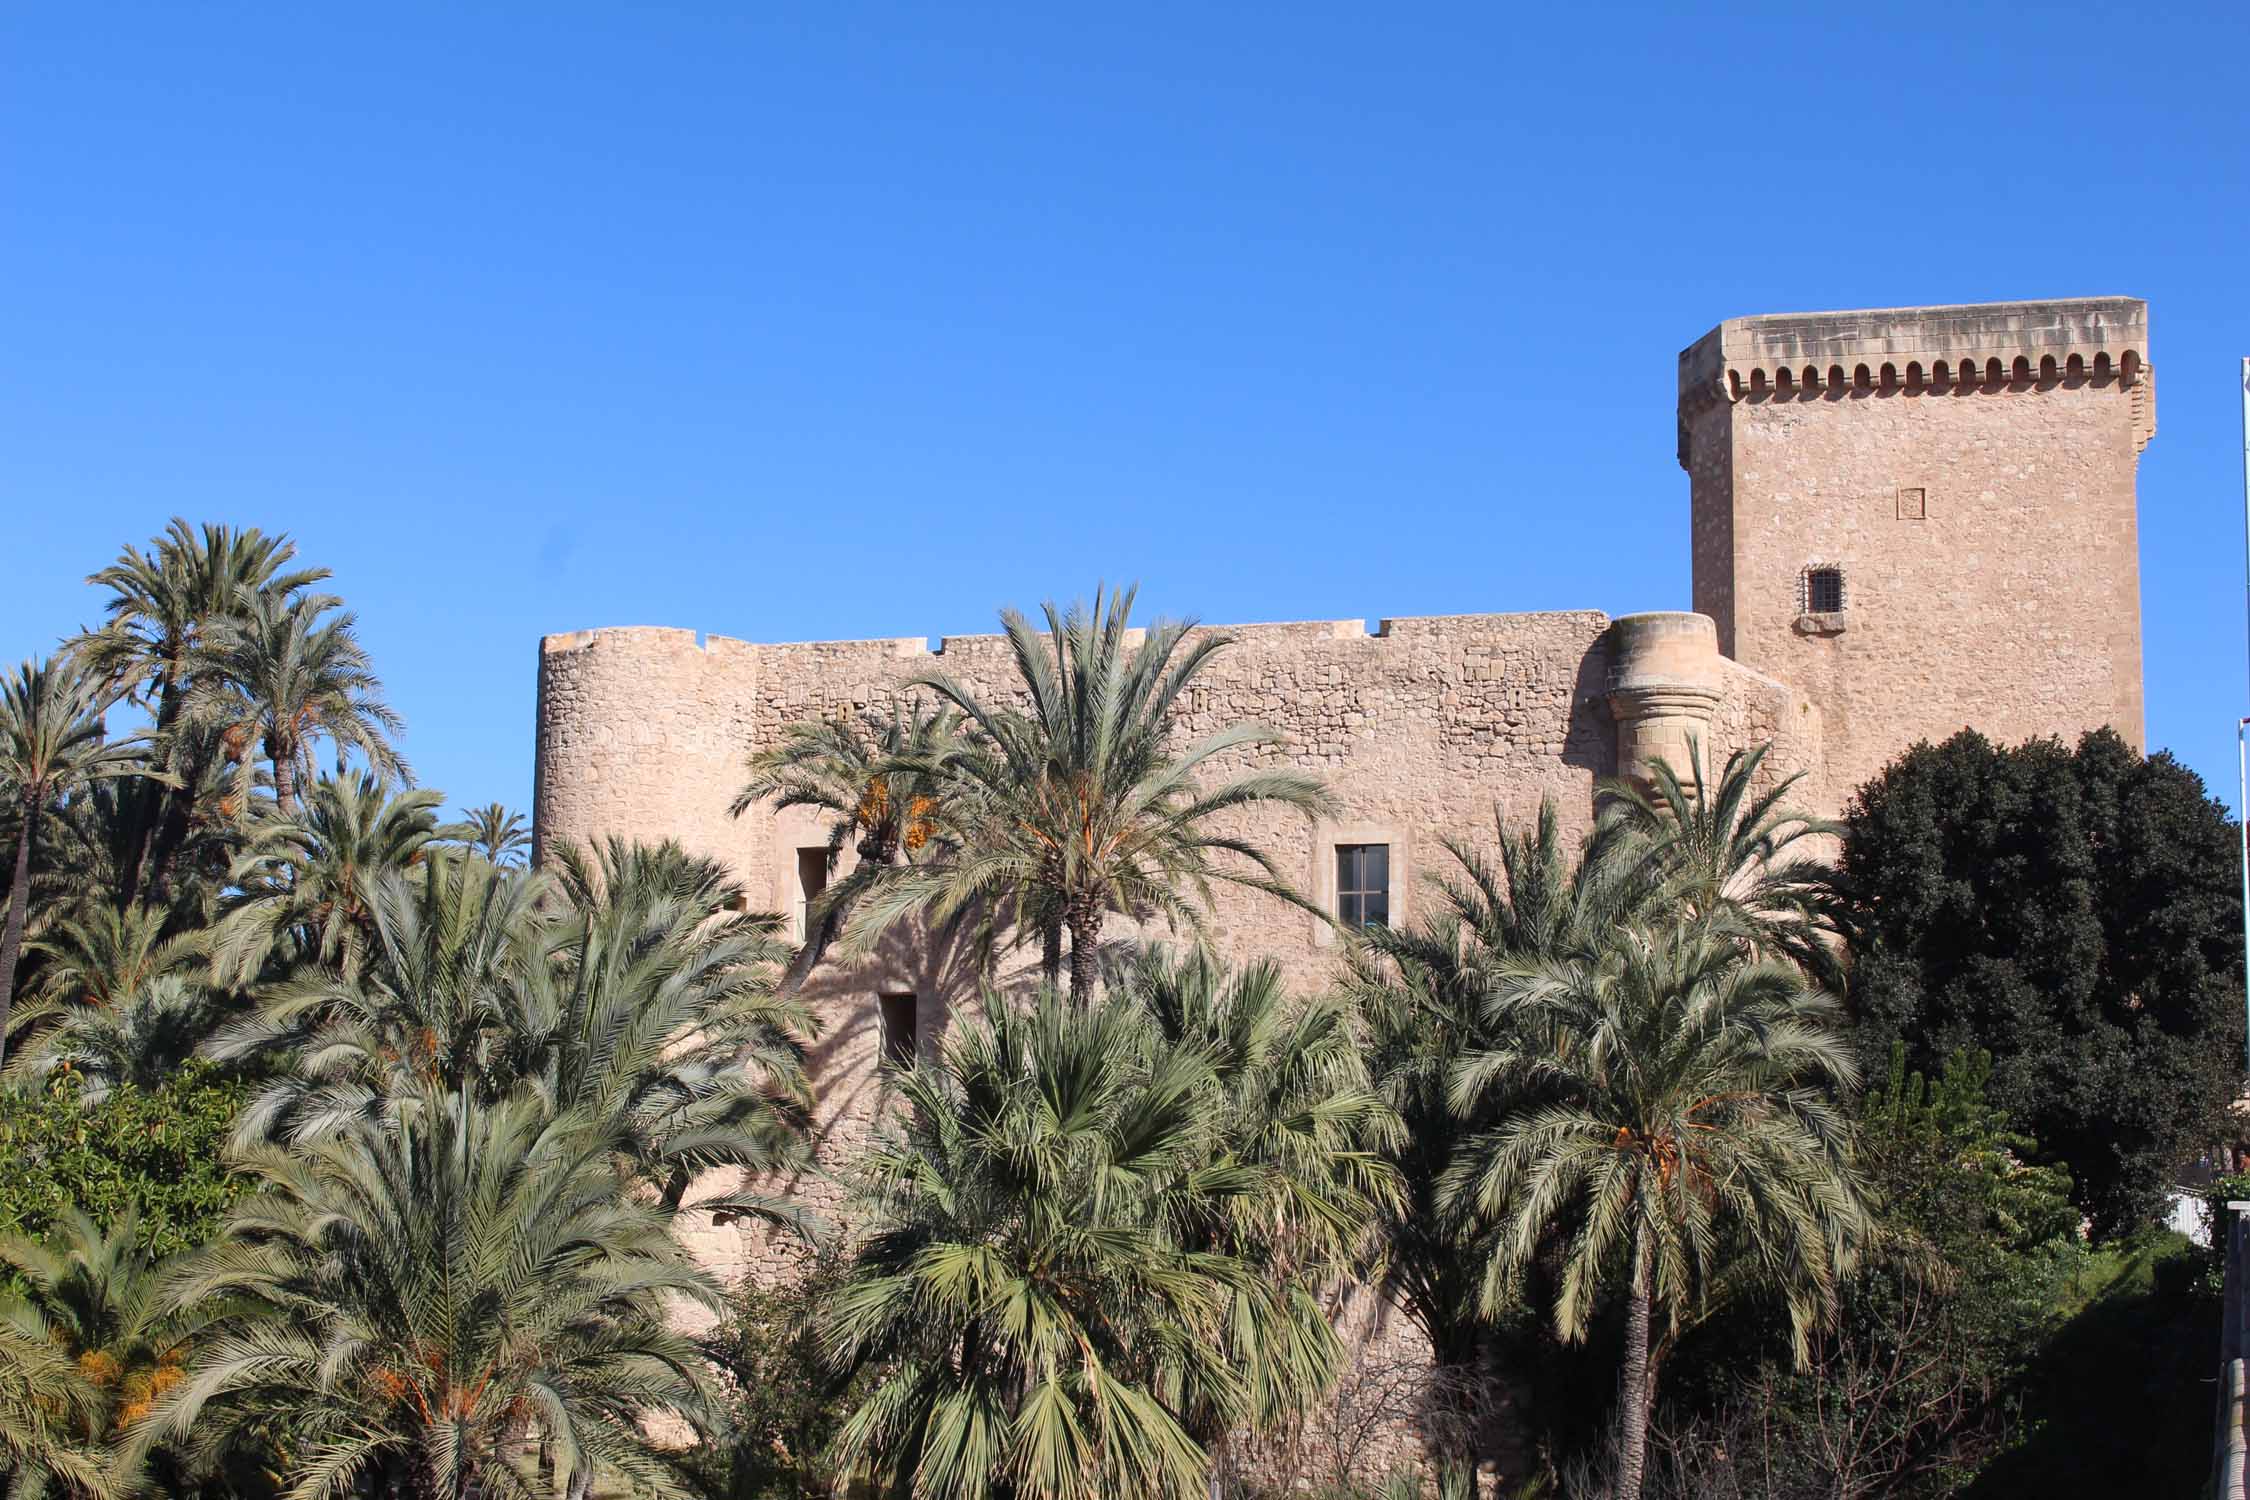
(1823, 591)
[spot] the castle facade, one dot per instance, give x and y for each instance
(1903, 521)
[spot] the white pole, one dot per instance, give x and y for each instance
(2241, 744)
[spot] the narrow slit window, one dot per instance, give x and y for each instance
(898, 1031)
(812, 879)
(1824, 591)
(1363, 884)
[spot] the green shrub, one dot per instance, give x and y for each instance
(159, 1150)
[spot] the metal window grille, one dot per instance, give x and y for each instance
(1823, 591)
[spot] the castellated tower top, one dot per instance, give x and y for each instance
(1873, 348)
(1925, 517)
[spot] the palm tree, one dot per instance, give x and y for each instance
(284, 675)
(162, 604)
(646, 1009)
(458, 1300)
(1728, 852)
(1078, 806)
(1290, 1111)
(47, 1405)
(141, 1039)
(1036, 1325)
(663, 1015)
(1669, 1104)
(97, 1297)
(1423, 991)
(869, 776)
(52, 745)
(497, 832)
(302, 885)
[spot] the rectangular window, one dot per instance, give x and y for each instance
(812, 879)
(898, 1031)
(1363, 884)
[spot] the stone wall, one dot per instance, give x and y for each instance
(1423, 728)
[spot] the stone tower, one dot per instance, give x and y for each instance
(1924, 518)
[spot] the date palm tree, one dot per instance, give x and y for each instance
(1423, 992)
(1035, 1324)
(1079, 805)
(457, 1300)
(1668, 1104)
(872, 777)
(286, 672)
(648, 1009)
(497, 832)
(303, 885)
(53, 744)
(1726, 850)
(97, 1296)
(162, 604)
(47, 1405)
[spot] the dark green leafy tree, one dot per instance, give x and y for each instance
(157, 1153)
(2076, 914)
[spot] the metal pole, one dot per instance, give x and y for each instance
(2241, 744)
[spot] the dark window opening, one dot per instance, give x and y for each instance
(1824, 591)
(812, 879)
(1363, 884)
(898, 1031)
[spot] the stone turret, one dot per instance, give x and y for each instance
(1665, 687)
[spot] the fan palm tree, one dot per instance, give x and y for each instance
(1289, 1103)
(303, 885)
(1669, 1104)
(496, 832)
(162, 604)
(458, 1300)
(52, 745)
(1038, 1327)
(873, 778)
(97, 1296)
(286, 672)
(1079, 806)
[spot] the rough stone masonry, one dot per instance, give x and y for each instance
(1903, 521)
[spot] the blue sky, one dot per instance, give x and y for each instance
(853, 321)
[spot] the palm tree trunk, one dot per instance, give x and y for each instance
(1085, 939)
(19, 902)
(1050, 952)
(152, 800)
(285, 783)
(1632, 1388)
